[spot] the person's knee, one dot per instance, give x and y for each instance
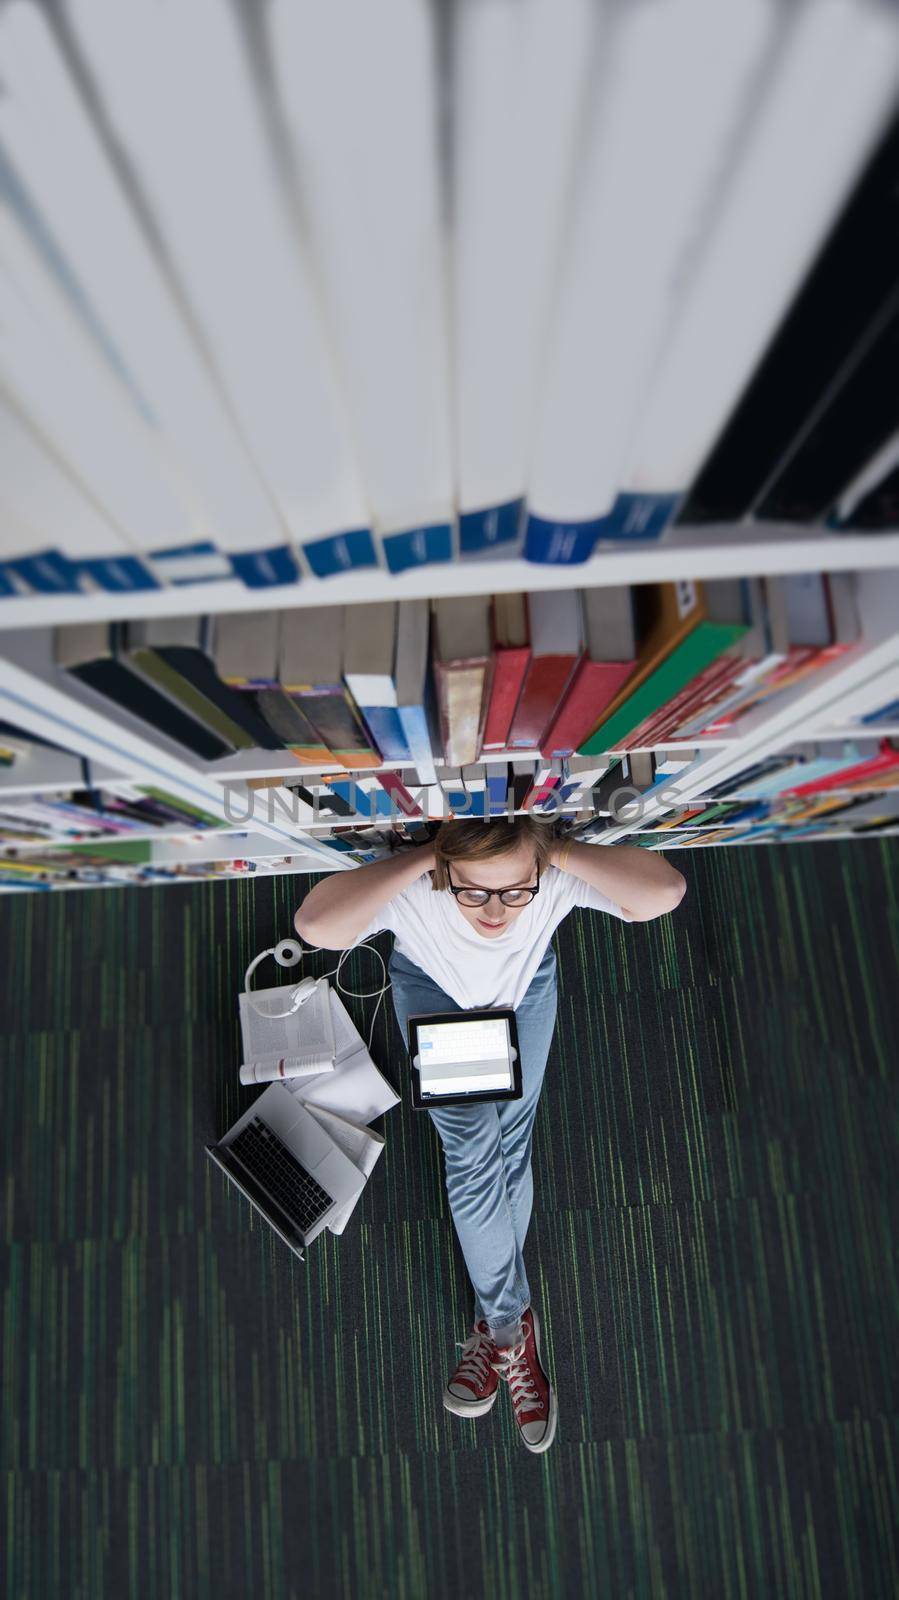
(473, 1162)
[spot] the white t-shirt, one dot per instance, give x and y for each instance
(431, 931)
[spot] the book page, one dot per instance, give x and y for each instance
(361, 1145)
(306, 1033)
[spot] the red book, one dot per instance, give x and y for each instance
(405, 802)
(887, 762)
(595, 686)
(611, 642)
(511, 654)
(705, 690)
(541, 791)
(556, 648)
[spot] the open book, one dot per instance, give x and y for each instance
(302, 1044)
(362, 1145)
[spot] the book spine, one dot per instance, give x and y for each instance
(593, 689)
(486, 529)
(417, 547)
(341, 552)
(560, 543)
(640, 516)
(509, 669)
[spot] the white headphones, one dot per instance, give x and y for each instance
(288, 953)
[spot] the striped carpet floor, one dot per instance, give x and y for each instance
(189, 1412)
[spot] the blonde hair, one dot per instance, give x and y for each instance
(482, 841)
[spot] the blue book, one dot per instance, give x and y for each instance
(386, 728)
(418, 547)
(341, 552)
(467, 802)
(201, 562)
(560, 543)
(48, 572)
(640, 516)
(119, 574)
(498, 792)
(888, 713)
(266, 569)
(495, 525)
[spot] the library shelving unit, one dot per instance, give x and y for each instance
(104, 746)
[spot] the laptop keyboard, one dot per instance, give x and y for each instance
(281, 1174)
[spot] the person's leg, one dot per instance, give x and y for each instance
(475, 1177)
(535, 1020)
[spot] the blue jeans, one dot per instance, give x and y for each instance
(487, 1148)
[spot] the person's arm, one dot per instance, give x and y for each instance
(640, 882)
(338, 909)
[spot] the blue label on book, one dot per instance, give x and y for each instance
(467, 802)
(640, 516)
(341, 552)
(418, 547)
(560, 543)
(49, 572)
(498, 793)
(119, 574)
(202, 562)
(481, 530)
(385, 727)
(263, 569)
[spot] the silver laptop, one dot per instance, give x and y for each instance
(285, 1164)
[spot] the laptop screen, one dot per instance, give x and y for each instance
(464, 1057)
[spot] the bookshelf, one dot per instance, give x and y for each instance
(730, 550)
(258, 830)
(208, 409)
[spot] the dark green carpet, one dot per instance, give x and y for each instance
(189, 1412)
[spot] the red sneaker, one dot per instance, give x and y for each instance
(473, 1386)
(533, 1397)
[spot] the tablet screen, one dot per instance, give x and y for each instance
(465, 1057)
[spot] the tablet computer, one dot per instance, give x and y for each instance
(462, 1056)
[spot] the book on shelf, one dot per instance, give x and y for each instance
(853, 276)
(289, 727)
(870, 503)
(679, 641)
(728, 601)
(856, 420)
(557, 642)
(876, 770)
(462, 671)
(245, 648)
(886, 713)
(170, 653)
(310, 668)
(608, 661)
(415, 692)
(369, 659)
(812, 620)
(511, 654)
(89, 651)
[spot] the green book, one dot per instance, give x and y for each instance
(698, 650)
(154, 666)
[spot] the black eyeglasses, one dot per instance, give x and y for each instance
(479, 897)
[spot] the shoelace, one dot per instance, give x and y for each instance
(475, 1361)
(514, 1369)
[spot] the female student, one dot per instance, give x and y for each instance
(473, 915)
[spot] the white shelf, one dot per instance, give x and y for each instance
(718, 551)
(46, 770)
(856, 731)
